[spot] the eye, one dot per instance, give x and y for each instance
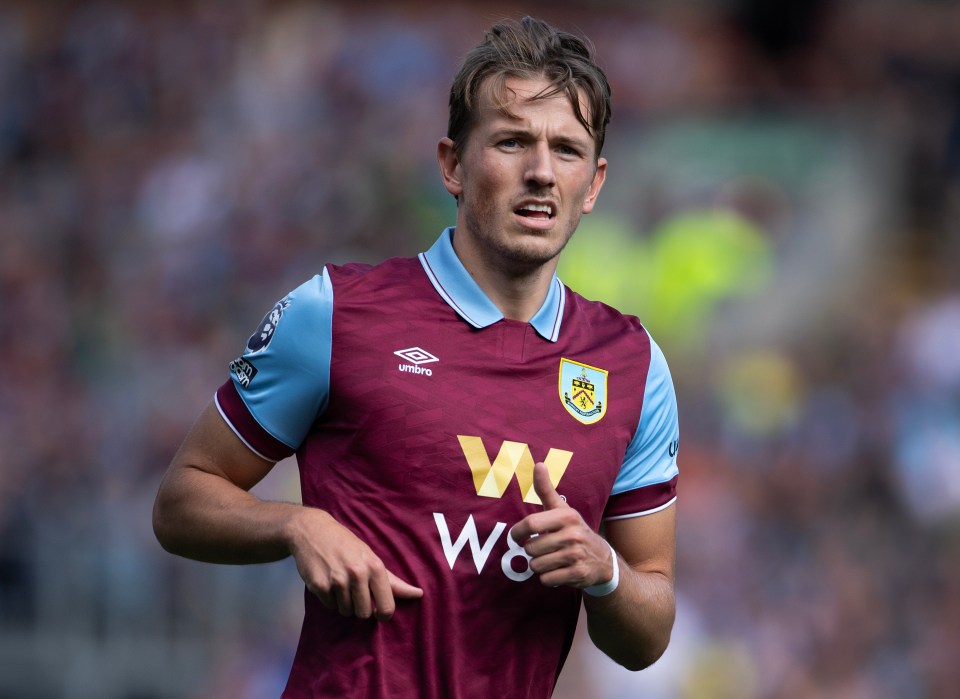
(510, 143)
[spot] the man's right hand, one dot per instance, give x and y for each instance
(204, 511)
(341, 570)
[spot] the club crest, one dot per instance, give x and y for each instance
(583, 391)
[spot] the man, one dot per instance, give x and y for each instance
(439, 559)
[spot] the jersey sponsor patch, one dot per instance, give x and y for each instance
(583, 391)
(513, 459)
(243, 370)
(268, 326)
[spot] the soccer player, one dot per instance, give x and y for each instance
(464, 424)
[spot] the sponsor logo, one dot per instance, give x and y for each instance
(416, 356)
(243, 370)
(470, 537)
(514, 458)
(268, 326)
(674, 447)
(491, 480)
(583, 391)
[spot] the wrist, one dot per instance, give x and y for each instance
(299, 525)
(604, 589)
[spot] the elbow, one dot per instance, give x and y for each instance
(163, 520)
(643, 657)
(634, 651)
(160, 530)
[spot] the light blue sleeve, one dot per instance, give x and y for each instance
(285, 377)
(651, 457)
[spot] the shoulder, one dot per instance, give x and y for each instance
(601, 312)
(360, 272)
(605, 321)
(391, 278)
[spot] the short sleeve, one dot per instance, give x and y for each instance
(281, 383)
(647, 481)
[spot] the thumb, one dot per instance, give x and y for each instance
(548, 494)
(404, 590)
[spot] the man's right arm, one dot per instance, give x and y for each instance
(204, 511)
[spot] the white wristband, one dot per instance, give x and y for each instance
(604, 589)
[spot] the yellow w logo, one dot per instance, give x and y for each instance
(491, 480)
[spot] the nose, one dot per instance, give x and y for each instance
(539, 172)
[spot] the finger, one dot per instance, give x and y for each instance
(360, 597)
(542, 484)
(341, 594)
(326, 599)
(387, 589)
(403, 589)
(520, 532)
(383, 599)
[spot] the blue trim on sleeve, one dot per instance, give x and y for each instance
(651, 456)
(291, 386)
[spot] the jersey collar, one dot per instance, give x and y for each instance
(455, 286)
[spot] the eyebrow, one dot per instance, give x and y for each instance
(582, 141)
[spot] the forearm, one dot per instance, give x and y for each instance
(202, 515)
(632, 625)
(205, 517)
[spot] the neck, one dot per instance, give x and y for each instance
(517, 289)
(517, 297)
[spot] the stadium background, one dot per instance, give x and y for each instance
(782, 209)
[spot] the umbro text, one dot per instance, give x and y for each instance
(411, 369)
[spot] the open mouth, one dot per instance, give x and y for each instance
(543, 212)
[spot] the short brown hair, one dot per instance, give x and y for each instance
(530, 48)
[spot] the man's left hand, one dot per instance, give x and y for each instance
(562, 548)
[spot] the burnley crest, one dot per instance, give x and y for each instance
(583, 390)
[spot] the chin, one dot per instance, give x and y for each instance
(532, 253)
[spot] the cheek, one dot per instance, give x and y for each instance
(487, 186)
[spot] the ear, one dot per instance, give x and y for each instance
(450, 170)
(595, 186)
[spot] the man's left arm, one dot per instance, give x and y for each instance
(632, 624)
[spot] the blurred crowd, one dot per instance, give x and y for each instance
(782, 208)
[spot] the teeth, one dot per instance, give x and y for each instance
(539, 207)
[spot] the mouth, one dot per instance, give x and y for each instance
(537, 212)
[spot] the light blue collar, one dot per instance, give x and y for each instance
(455, 286)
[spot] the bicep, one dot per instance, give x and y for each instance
(647, 542)
(211, 446)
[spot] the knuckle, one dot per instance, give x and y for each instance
(339, 579)
(353, 572)
(366, 566)
(319, 592)
(318, 585)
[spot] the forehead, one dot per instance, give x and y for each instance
(522, 99)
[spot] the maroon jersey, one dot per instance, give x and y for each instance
(417, 412)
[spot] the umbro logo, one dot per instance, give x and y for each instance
(416, 356)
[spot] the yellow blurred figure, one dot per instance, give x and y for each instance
(675, 278)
